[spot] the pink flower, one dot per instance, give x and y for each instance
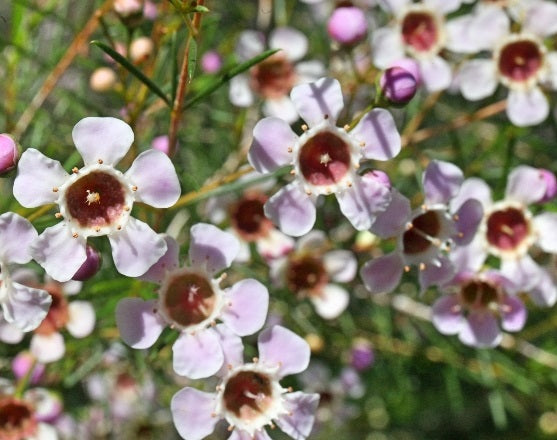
(97, 199)
(23, 307)
(191, 301)
(249, 396)
(325, 159)
(9, 153)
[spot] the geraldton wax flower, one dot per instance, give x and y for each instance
(97, 199)
(325, 159)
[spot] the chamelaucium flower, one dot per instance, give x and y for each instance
(191, 301)
(97, 199)
(249, 395)
(325, 159)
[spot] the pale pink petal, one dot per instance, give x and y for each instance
(435, 275)
(279, 346)
(436, 73)
(546, 227)
(16, 236)
(313, 241)
(446, 315)
(363, 201)
(460, 36)
(139, 325)
(473, 188)
(513, 314)
(168, 262)
(199, 355)
(298, 423)
(107, 139)
(25, 307)
(441, 182)
(443, 6)
(9, 333)
(243, 435)
(470, 257)
(58, 252)
(541, 19)
(82, 319)
(309, 71)
(393, 220)
(383, 274)
(525, 184)
(246, 309)
(387, 47)
(48, 348)
(341, 265)
(394, 6)
(37, 175)
(491, 24)
(291, 41)
(331, 301)
(155, 177)
(527, 108)
(192, 413)
(282, 108)
(480, 330)
(292, 210)
(240, 93)
(232, 348)
(318, 100)
(274, 245)
(272, 137)
(477, 79)
(136, 248)
(528, 276)
(467, 219)
(250, 43)
(377, 129)
(72, 287)
(211, 248)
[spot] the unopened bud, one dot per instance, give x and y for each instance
(140, 49)
(21, 365)
(9, 153)
(550, 185)
(347, 25)
(398, 85)
(150, 11)
(161, 143)
(211, 62)
(91, 265)
(127, 8)
(361, 355)
(102, 79)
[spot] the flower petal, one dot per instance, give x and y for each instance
(291, 41)
(393, 220)
(443, 6)
(139, 325)
(37, 175)
(472, 188)
(528, 276)
(212, 248)
(232, 349)
(525, 184)
(309, 71)
(82, 319)
(436, 73)
(441, 182)
(271, 344)
(16, 235)
(468, 217)
(477, 79)
(240, 93)
(377, 129)
(271, 139)
(341, 265)
(331, 301)
(292, 210)
(387, 47)
(470, 257)
(107, 139)
(136, 248)
(480, 330)
(527, 107)
(318, 100)
(513, 314)
(447, 315)
(155, 177)
(382, 274)
(9, 333)
(250, 43)
(48, 348)
(192, 413)
(60, 254)
(435, 275)
(25, 307)
(546, 227)
(541, 18)
(197, 356)
(363, 201)
(282, 108)
(247, 304)
(298, 422)
(169, 261)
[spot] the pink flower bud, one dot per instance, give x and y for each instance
(150, 11)
(550, 184)
(91, 265)
(398, 85)
(211, 62)
(9, 153)
(140, 49)
(347, 25)
(161, 143)
(21, 365)
(361, 356)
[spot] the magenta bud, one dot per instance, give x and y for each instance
(398, 85)
(361, 356)
(91, 265)
(381, 177)
(161, 143)
(347, 25)
(21, 365)
(150, 11)
(9, 153)
(211, 62)
(550, 185)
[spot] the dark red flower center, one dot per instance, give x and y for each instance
(16, 419)
(273, 77)
(507, 228)
(306, 274)
(324, 159)
(96, 199)
(248, 394)
(189, 299)
(248, 218)
(520, 60)
(418, 238)
(478, 293)
(419, 30)
(58, 314)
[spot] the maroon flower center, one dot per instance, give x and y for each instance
(418, 238)
(273, 77)
(419, 30)
(507, 228)
(96, 199)
(16, 419)
(306, 274)
(324, 159)
(520, 60)
(478, 294)
(248, 218)
(189, 299)
(248, 394)
(58, 314)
